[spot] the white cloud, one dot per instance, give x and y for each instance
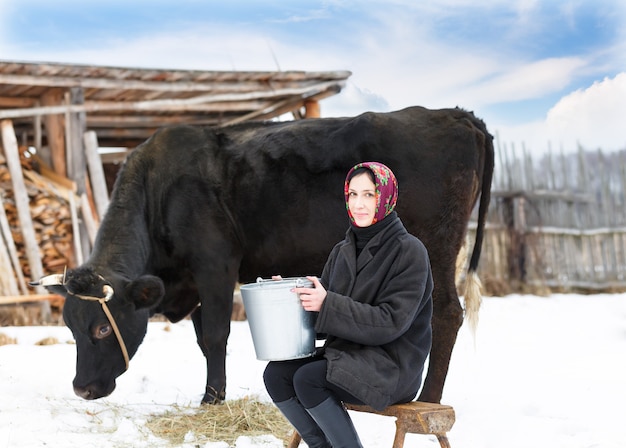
(596, 114)
(592, 118)
(397, 60)
(530, 80)
(204, 49)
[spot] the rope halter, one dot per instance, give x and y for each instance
(108, 293)
(107, 290)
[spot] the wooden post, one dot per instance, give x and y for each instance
(8, 285)
(78, 246)
(15, 299)
(311, 109)
(96, 173)
(12, 250)
(88, 221)
(11, 152)
(37, 131)
(55, 131)
(519, 238)
(514, 220)
(76, 163)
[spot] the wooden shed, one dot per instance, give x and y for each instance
(70, 113)
(51, 104)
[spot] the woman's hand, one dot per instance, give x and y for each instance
(312, 298)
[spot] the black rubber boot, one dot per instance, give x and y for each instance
(304, 424)
(334, 420)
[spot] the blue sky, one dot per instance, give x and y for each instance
(548, 73)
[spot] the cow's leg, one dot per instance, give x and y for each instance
(196, 318)
(212, 324)
(446, 321)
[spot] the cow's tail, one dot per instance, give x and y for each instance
(472, 294)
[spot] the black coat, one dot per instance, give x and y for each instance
(377, 316)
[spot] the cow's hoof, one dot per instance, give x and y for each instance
(213, 397)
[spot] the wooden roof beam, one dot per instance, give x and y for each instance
(175, 104)
(216, 107)
(143, 121)
(209, 85)
(279, 108)
(17, 102)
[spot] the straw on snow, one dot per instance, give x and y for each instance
(225, 422)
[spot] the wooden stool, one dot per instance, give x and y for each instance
(415, 417)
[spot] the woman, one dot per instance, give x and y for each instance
(375, 306)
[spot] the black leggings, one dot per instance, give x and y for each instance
(304, 379)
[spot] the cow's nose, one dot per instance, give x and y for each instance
(87, 392)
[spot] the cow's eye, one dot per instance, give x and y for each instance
(102, 331)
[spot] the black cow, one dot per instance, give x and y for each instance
(196, 209)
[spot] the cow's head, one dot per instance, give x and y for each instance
(107, 316)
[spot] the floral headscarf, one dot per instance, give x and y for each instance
(386, 189)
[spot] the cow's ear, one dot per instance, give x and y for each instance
(145, 291)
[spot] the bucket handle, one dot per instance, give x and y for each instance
(300, 281)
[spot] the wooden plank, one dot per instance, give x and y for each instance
(312, 109)
(70, 152)
(75, 128)
(11, 102)
(78, 249)
(14, 300)
(87, 214)
(7, 236)
(11, 152)
(620, 245)
(61, 181)
(55, 131)
(21, 197)
(96, 173)
(314, 90)
(8, 283)
(38, 137)
(212, 82)
(217, 107)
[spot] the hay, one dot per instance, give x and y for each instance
(6, 340)
(48, 341)
(224, 422)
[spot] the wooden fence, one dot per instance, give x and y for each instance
(556, 223)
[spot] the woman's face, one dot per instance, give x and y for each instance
(362, 199)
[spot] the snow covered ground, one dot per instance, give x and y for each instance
(543, 372)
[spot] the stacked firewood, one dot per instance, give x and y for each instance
(51, 218)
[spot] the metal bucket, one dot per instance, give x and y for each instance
(281, 328)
